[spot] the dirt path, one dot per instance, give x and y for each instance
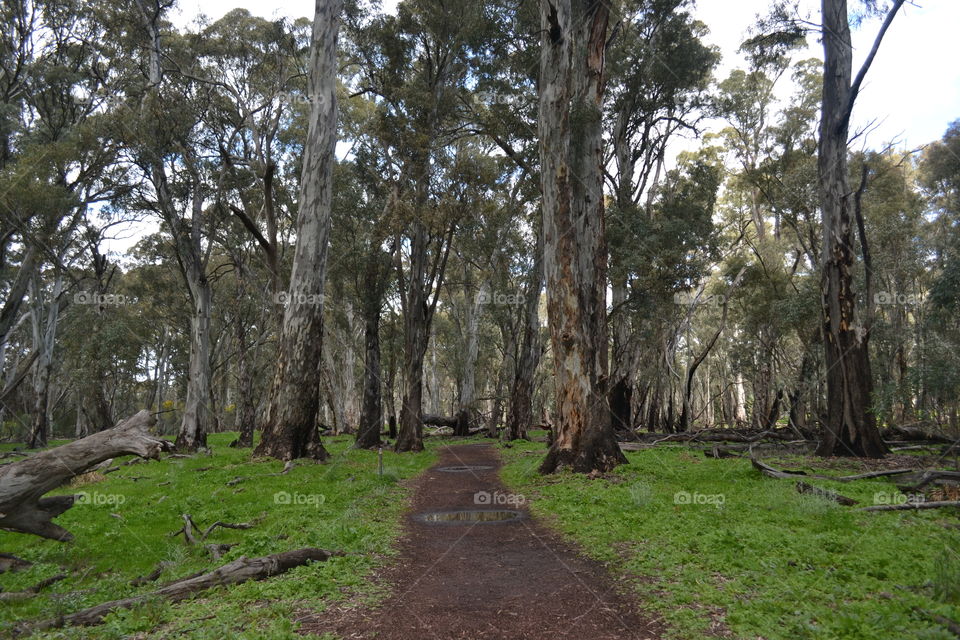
(463, 579)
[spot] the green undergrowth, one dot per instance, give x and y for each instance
(716, 548)
(122, 531)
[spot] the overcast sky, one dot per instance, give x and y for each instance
(912, 91)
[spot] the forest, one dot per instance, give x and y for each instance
(472, 318)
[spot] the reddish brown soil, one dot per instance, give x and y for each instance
(513, 579)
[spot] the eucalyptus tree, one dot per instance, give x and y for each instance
(414, 66)
(899, 278)
(503, 108)
(574, 36)
(851, 425)
(529, 342)
(658, 71)
(255, 67)
(365, 205)
(56, 162)
(765, 146)
(936, 377)
(169, 141)
(477, 182)
(290, 421)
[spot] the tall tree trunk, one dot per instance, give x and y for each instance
(371, 412)
(466, 413)
(851, 426)
(418, 309)
(520, 412)
(416, 334)
(290, 421)
(247, 409)
(621, 374)
(45, 319)
(197, 412)
(575, 252)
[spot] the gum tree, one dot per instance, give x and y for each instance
(574, 37)
(851, 426)
(290, 421)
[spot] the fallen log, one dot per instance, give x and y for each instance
(914, 434)
(952, 625)
(921, 479)
(767, 470)
(23, 484)
(10, 562)
(910, 506)
(29, 592)
(794, 473)
(240, 570)
(439, 421)
(721, 435)
(803, 487)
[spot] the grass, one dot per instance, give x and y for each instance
(711, 545)
(123, 529)
(713, 542)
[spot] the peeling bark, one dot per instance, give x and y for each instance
(575, 252)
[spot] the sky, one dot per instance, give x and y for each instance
(911, 93)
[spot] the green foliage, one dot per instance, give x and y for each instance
(122, 532)
(764, 559)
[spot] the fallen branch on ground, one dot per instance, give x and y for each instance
(23, 484)
(189, 526)
(910, 506)
(13, 596)
(952, 625)
(229, 525)
(186, 529)
(240, 570)
(773, 472)
(720, 452)
(921, 433)
(10, 562)
(921, 479)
